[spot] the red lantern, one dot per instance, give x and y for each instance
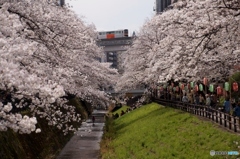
(196, 87)
(219, 90)
(235, 86)
(182, 86)
(205, 81)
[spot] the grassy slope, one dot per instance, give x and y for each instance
(156, 132)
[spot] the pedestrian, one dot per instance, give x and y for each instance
(185, 99)
(208, 100)
(227, 105)
(213, 100)
(93, 119)
(208, 104)
(237, 110)
(197, 99)
(190, 98)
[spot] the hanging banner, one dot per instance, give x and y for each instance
(196, 88)
(182, 86)
(200, 87)
(192, 84)
(226, 86)
(205, 81)
(211, 88)
(235, 86)
(219, 90)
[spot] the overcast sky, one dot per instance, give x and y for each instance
(109, 15)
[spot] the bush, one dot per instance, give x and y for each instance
(45, 145)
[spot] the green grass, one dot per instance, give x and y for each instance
(156, 132)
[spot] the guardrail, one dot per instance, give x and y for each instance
(224, 119)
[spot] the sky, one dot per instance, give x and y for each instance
(109, 15)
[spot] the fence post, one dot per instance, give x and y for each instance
(208, 112)
(194, 109)
(235, 124)
(220, 117)
(239, 122)
(205, 113)
(230, 121)
(200, 111)
(225, 120)
(213, 112)
(216, 113)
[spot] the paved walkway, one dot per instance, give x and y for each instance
(85, 143)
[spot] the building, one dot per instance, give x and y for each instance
(113, 48)
(114, 44)
(161, 5)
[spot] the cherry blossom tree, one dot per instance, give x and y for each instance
(46, 54)
(194, 39)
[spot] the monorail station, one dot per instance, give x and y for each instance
(113, 43)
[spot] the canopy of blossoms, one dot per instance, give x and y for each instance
(192, 40)
(47, 53)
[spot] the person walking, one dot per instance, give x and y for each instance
(93, 119)
(208, 100)
(185, 99)
(208, 104)
(196, 99)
